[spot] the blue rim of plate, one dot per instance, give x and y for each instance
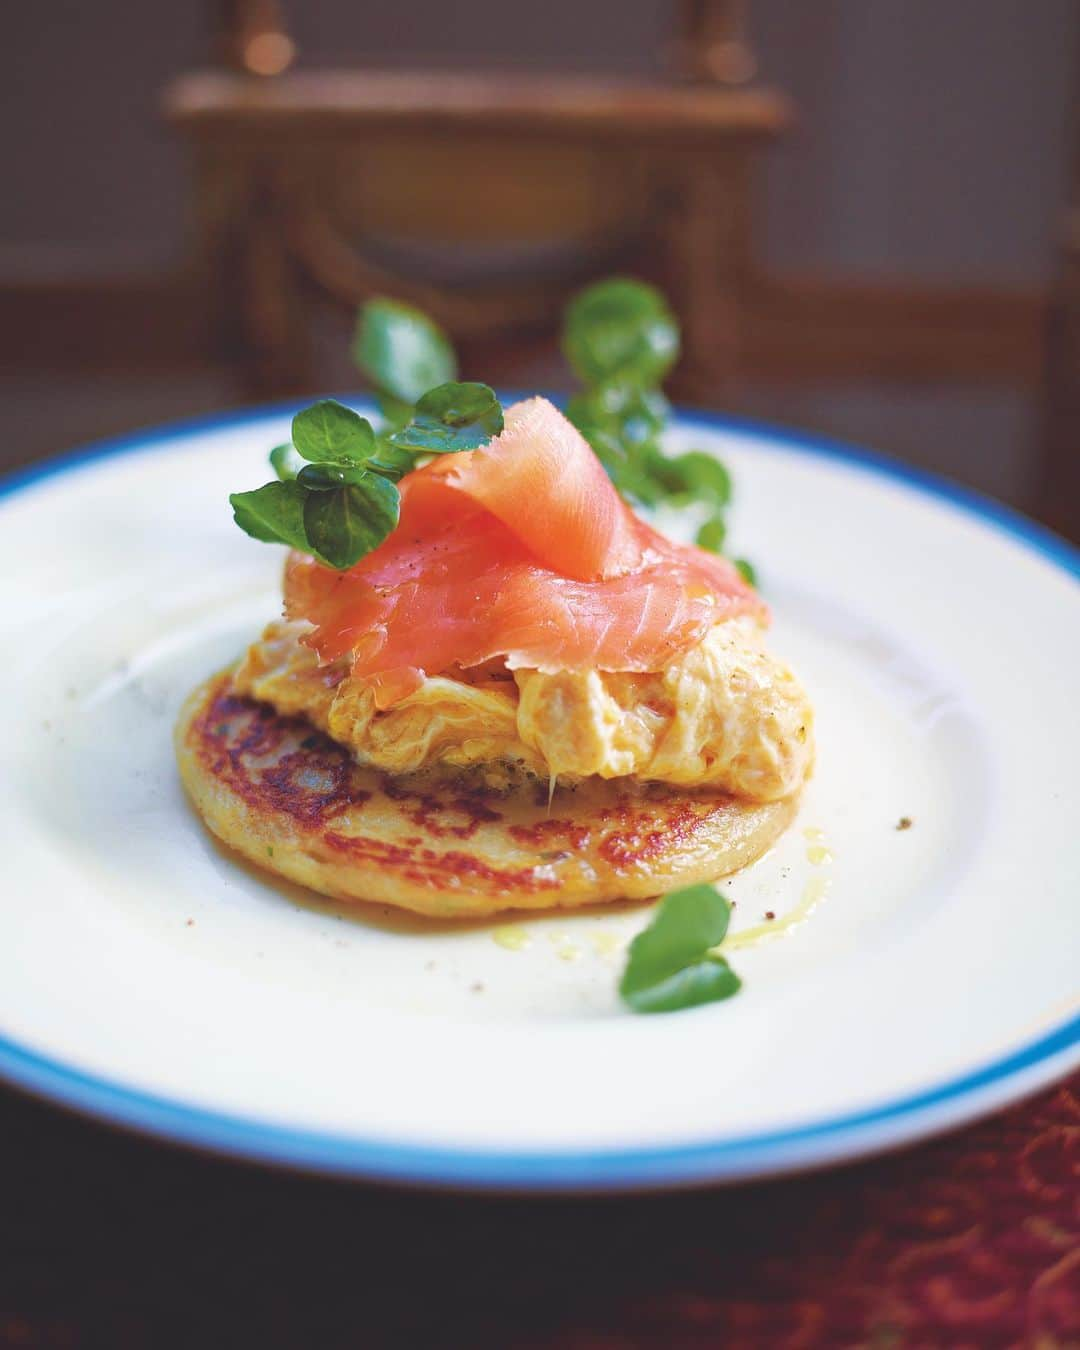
(845, 1137)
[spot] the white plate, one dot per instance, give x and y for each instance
(148, 978)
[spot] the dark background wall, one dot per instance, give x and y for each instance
(930, 146)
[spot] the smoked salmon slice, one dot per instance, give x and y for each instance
(540, 478)
(503, 557)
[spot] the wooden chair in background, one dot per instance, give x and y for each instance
(486, 199)
(1059, 489)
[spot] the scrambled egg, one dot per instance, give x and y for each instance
(725, 714)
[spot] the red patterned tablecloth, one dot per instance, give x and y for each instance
(970, 1241)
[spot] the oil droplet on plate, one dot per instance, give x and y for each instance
(565, 947)
(513, 937)
(604, 942)
(818, 854)
(812, 832)
(814, 892)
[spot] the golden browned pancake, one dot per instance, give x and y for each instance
(294, 802)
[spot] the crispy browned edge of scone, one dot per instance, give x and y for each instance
(294, 802)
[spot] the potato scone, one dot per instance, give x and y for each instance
(295, 802)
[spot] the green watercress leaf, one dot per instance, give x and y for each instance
(747, 572)
(390, 460)
(452, 417)
(620, 330)
(635, 415)
(402, 352)
(328, 432)
(619, 453)
(273, 513)
(696, 475)
(345, 523)
(326, 477)
(640, 481)
(707, 980)
(671, 965)
(395, 411)
(712, 533)
(285, 462)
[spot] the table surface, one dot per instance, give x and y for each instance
(114, 1240)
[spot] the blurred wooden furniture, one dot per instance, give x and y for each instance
(1059, 495)
(484, 198)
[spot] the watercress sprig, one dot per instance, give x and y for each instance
(672, 964)
(621, 340)
(335, 495)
